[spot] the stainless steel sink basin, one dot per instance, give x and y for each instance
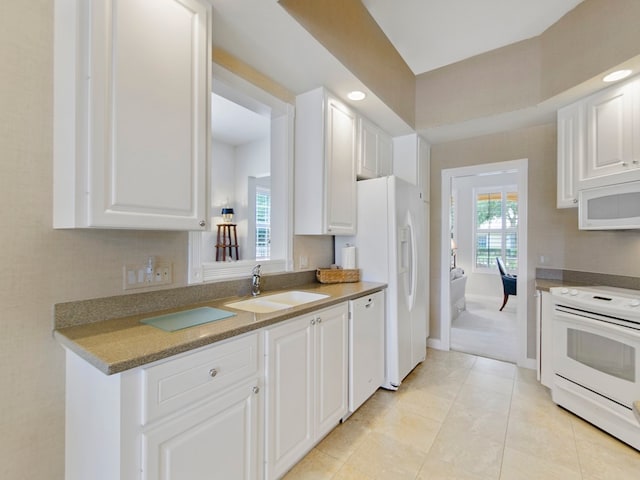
(278, 301)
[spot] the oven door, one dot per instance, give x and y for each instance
(597, 355)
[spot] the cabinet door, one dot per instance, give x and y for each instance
(545, 349)
(331, 368)
(290, 394)
(385, 155)
(216, 440)
(134, 154)
(411, 158)
(368, 152)
(340, 156)
(610, 131)
(424, 167)
(570, 153)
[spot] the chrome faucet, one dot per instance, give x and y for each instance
(255, 281)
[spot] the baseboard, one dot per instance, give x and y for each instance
(436, 344)
(529, 363)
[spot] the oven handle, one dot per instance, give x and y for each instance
(579, 320)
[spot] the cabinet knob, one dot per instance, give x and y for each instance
(255, 389)
(624, 164)
(202, 223)
(575, 200)
(635, 162)
(213, 372)
(313, 321)
(319, 319)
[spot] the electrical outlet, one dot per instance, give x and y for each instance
(304, 261)
(141, 276)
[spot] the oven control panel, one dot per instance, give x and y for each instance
(608, 300)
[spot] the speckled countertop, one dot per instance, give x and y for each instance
(120, 344)
(547, 278)
(545, 284)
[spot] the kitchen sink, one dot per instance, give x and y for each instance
(278, 301)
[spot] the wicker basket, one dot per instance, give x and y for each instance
(337, 275)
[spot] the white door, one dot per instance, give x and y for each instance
(331, 368)
(290, 402)
(217, 440)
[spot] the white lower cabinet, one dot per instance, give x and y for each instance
(217, 440)
(306, 380)
(544, 314)
(219, 412)
(195, 416)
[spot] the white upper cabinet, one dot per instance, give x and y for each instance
(325, 165)
(375, 151)
(411, 158)
(570, 152)
(131, 122)
(612, 143)
(597, 141)
(612, 118)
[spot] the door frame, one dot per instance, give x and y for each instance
(520, 168)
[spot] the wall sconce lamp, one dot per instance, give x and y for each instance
(227, 215)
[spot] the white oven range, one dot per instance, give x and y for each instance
(596, 356)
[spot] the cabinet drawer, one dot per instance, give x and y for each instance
(177, 383)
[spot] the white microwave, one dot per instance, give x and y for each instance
(612, 207)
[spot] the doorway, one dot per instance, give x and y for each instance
(471, 293)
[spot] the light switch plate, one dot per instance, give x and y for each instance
(136, 276)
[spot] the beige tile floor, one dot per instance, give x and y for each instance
(458, 416)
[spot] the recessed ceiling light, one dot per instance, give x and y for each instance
(617, 75)
(356, 95)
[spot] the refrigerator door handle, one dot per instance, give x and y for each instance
(412, 263)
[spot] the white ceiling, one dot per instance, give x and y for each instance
(430, 34)
(427, 33)
(235, 125)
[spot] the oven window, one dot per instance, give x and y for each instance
(601, 353)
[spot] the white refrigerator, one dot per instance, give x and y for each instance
(391, 247)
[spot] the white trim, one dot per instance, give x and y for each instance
(520, 167)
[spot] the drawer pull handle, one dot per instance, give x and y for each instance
(213, 372)
(255, 389)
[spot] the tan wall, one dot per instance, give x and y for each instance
(546, 224)
(42, 266)
(348, 31)
(499, 81)
(552, 233)
(593, 38)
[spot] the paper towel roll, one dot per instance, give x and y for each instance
(349, 256)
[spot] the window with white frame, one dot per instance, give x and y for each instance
(496, 227)
(263, 223)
